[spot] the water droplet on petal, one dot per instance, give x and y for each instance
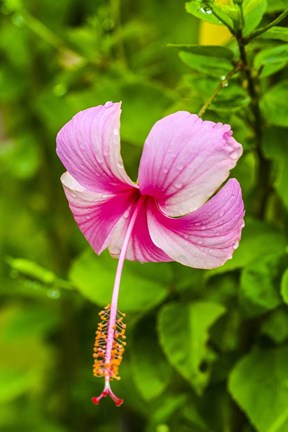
(178, 185)
(165, 170)
(108, 104)
(200, 242)
(115, 250)
(179, 167)
(73, 194)
(183, 259)
(221, 213)
(126, 214)
(234, 155)
(235, 246)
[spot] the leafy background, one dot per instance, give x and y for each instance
(207, 350)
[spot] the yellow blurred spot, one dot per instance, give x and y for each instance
(212, 34)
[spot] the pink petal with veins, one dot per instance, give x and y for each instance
(205, 238)
(89, 148)
(95, 213)
(185, 160)
(140, 247)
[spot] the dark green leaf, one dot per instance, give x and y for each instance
(259, 385)
(150, 369)
(206, 50)
(183, 331)
(274, 106)
(259, 287)
(271, 60)
(253, 246)
(276, 326)
(207, 65)
(275, 147)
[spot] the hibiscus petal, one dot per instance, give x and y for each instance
(205, 238)
(140, 247)
(95, 213)
(185, 160)
(89, 148)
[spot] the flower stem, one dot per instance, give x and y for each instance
(115, 325)
(114, 302)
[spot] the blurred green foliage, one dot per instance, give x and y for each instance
(207, 350)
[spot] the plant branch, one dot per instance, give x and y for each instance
(263, 177)
(263, 29)
(223, 83)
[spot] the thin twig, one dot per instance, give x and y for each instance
(222, 84)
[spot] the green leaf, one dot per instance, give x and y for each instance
(150, 370)
(208, 65)
(142, 287)
(183, 331)
(259, 286)
(253, 11)
(276, 326)
(274, 106)
(271, 60)
(276, 149)
(206, 50)
(259, 385)
(14, 383)
(253, 246)
(204, 11)
(279, 33)
(284, 286)
(32, 270)
(276, 5)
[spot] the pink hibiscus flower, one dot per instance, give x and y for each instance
(165, 216)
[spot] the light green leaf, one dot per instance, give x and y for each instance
(259, 286)
(207, 65)
(14, 383)
(271, 60)
(259, 385)
(32, 270)
(253, 11)
(183, 331)
(274, 106)
(276, 5)
(151, 372)
(253, 246)
(142, 287)
(284, 286)
(199, 9)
